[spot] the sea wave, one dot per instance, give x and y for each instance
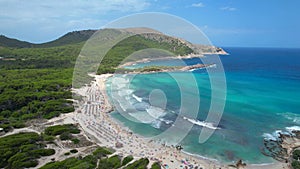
(293, 128)
(199, 156)
(156, 112)
(262, 164)
(275, 136)
(125, 92)
(130, 100)
(139, 99)
(156, 124)
(141, 106)
(153, 116)
(291, 116)
(143, 117)
(268, 136)
(166, 121)
(119, 82)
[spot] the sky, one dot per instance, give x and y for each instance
(227, 23)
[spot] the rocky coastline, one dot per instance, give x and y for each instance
(282, 148)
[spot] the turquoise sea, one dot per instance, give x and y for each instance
(262, 98)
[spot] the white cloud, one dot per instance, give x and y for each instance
(228, 8)
(198, 5)
(37, 9)
(38, 21)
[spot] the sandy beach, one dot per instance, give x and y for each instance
(93, 116)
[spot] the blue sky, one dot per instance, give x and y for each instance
(245, 23)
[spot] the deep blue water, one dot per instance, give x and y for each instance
(262, 97)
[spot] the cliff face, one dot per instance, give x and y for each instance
(197, 49)
(205, 49)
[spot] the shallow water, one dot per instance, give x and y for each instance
(262, 97)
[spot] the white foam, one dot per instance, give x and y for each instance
(143, 117)
(125, 92)
(191, 70)
(202, 123)
(199, 156)
(293, 128)
(139, 99)
(269, 136)
(263, 164)
(166, 121)
(151, 116)
(291, 116)
(156, 112)
(130, 100)
(119, 83)
(141, 105)
(156, 124)
(212, 66)
(276, 134)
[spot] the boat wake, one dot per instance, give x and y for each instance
(202, 123)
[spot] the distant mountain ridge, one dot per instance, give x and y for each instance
(77, 37)
(10, 42)
(69, 38)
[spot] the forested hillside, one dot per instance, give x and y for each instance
(35, 80)
(11, 42)
(69, 38)
(139, 42)
(35, 84)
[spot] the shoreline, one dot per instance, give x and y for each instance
(189, 56)
(137, 145)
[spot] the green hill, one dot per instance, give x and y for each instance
(69, 38)
(15, 43)
(63, 52)
(128, 46)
